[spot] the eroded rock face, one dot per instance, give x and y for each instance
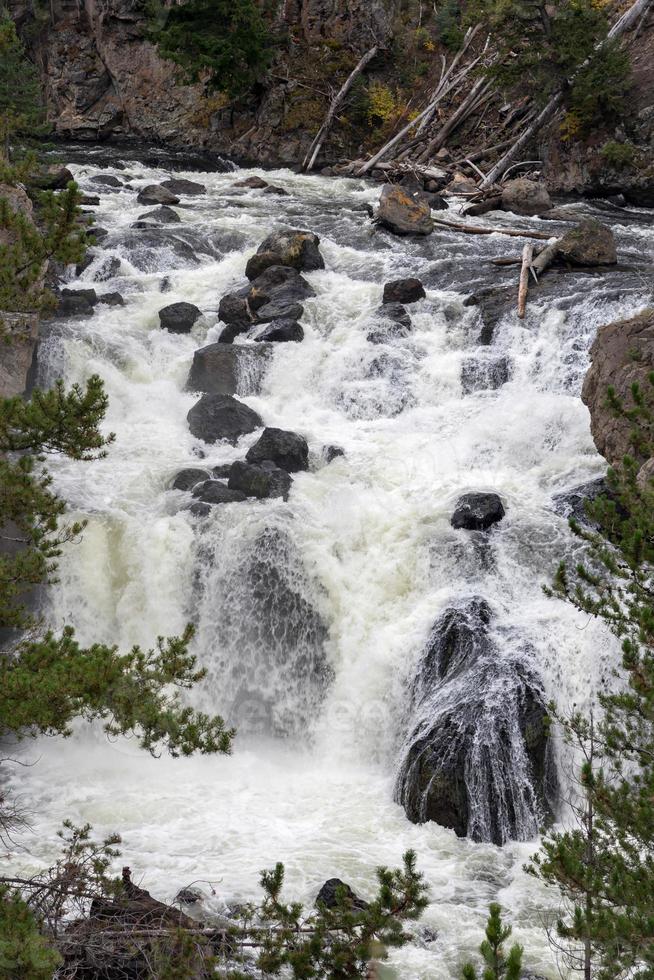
(216, 417)
(404, 213)
(622, 354)
(229, 369)
(476, 758)
(522, 196)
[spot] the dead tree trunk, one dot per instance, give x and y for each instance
(314, 149)
(479, 90)
(527, 254)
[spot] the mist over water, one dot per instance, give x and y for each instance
(360, 562)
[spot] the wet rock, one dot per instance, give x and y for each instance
(189, 477)
(89, 200)
(229, 369)
(97, 234)
(295, 249)
(215, 492)
(262, 481)
(395, 323)
(161, 216)
(183, 187)
(111, 299)
(403, 291)
(572, 503)
(589, 243)
(484, 373)
(276, 294)
(189, 896)
(288, 450)
(477, 755)
(257, 183)
(74, 306)
(106, 180)
(641, 193)
(107, 269)
(332, 889)
(232, 331)
(477, 511)
(179, 317)
(146, 244)
(53, 178)
(234, 309)
(622, 355)
(199, 509)
(523, 196)
(436, 202)
(332, 452)
(89, 295)
(275, 190)
(461, 185)
(279, 331)
(403, 213)
(156, 194)
(216, 417)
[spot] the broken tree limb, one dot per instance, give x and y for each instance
(314, 149)
(479, 230)
(545, 258)
(478, 91)
(628, 19)
(527, 254)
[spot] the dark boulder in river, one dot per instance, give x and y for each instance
(288, 450)
(188, 478)
(156, 194)
(229, 369)
(394, 323)
(403, 291)
(281, 331)
(160, 216)
(330, 891)
(477, 511)
(179, 317)
(187, 188)
(276, 294)
(259, 480)
(215, 492)
(216, 417)
(296, 249)
(590, 243)
(477, 757)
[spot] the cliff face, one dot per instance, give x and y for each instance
(18, 331)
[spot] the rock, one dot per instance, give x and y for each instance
(276, 294)
(179, 317)
(572, 503)
(107, 269)
(106, 180)
(523, 196)
(111, 299)
(273, 189)
(54, 178)
(266, 480)
(436, 202)
(215, 492)
(477, 756)
(189, 896)
(74, 306)
(234, 309)
(96, 234)
(89, 200)
(187, 188)
(280, 331)
(221, 472)
(403, 291)
(229, 369)
(461, 185)
(621, 355)
(641, 193)
(484, 373)
(188, 478)
(257, 183)
(288, 450)
(589, 243)
(294, 249)
(477, 511)
(403, 213)
(433, 186)
(216, 417)
(156, 194)
(332, 452)
(199, 509)
(89, 295)
(395, 323)
(161, 216)
(332, 889)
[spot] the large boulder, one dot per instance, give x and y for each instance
(187, 188)
(404, 213)
(216, 417)
(259, 480)
(215, 492)
(403, 291)
(53, 178)
(622, 355)
(160, 216)
(476, 757)
(589, 243)
(229, 369)
(523, 196)
(333, 889)
(295, 249)
(179, 317)
(281, 331)
(477, 511)
(156, 194)
(288, 450)
(277, 294)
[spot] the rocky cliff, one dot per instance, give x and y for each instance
(18, 331)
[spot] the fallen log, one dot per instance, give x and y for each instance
(314, 149)
(545, 258)
(527, 255)
(479, 230)
(479, 90)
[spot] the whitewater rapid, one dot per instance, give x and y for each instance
(372, 548)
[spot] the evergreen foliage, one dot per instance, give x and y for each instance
(499, 965)
(605, 866)
(20, 99)
(224, 43)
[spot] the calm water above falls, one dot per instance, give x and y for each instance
(364, 546)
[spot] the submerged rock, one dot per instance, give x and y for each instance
(261, 480)
(288, 450)
(216, 417)
(404, 213)
(394, 323)
(484, 373)
(403, 291)
(229, 369)
(188, 478)
(296, 249)
(179, 317)
(111, 299)
(215, 492)
(257, 183)
(477, 511)
(477, 756)
(160, 216)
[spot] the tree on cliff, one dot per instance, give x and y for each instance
(20, 99)
(224, 43)
(605, 865)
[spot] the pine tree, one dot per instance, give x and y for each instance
(606, 868)
(20, 100)
(499, 965)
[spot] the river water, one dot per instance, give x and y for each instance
(364, 542)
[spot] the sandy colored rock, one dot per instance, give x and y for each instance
(404, 213)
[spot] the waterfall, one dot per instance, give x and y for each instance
(323, 621)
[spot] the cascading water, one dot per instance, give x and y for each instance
(313, 615)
